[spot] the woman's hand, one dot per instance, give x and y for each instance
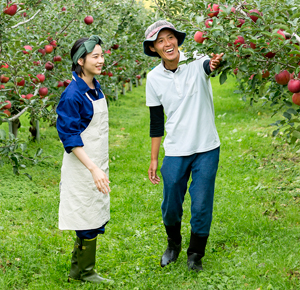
(101, 180)
(99, 176)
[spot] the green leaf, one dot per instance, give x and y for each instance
(2, 134)
(39, 152)
(223, 77)
(296, 15)
(23, 146)
(296, 134)
(292, 111)
(9, 84)
(266, 33)
(199, 19)
(277, 68)
(29, 176)
(287, 115)
(275, 133)
(295, 52)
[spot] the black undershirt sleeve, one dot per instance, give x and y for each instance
(157, 121)
(207, 67)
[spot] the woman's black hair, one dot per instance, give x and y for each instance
(76, 67)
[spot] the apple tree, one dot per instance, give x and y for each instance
(35, 65)
(261, 45)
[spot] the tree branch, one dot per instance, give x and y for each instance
(26, 20)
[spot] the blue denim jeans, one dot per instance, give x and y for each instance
(176, 172)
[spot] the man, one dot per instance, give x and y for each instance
(184, 94)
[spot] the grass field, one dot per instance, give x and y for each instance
(255, 234)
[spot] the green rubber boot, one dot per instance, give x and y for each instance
(74, 271)
(86, 256)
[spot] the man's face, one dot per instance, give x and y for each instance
(166, 45)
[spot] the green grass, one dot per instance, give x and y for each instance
(254, 241)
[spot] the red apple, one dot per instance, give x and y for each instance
(138, 77)
(5, 65)
(208, 23)
(214, 11)
(269, 54)
(42, 51)
(4, 79)
(27, 47)
(265, 74)
(89, 20)
(115, 46)
(29, 96)
(241, 22)
(36, 62)
(198, 37)
(43, 91)
(294, 86)
(252, 14)
(235, 71)
(49, 65)
(296, 98)
(53, 43)
(63, 9)
(280, 31)
(8, 106)
(11, 10)
(252, 45)
(60, 84)
(41, 77)
(239, 41)
(2, 87)
(7, 112)
(48, 48)
(67, 82)
(103, 73)
(283, 77)
(57, 58)
(127, 80)
(110, 74)
(21, 83)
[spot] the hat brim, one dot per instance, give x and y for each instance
(178, 34)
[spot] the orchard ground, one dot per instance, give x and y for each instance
(254, 241)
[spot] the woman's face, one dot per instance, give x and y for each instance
(94, 62)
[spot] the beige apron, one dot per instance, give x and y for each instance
(82, 206)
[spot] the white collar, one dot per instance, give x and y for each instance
(181, 58)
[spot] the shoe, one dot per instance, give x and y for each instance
(74, 271)
(196, 252)
(194, 262)
(171, 254)
(86, 259)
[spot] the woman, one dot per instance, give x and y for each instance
(82, 125)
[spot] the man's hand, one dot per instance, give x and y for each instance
(215, 61)
(152, 172)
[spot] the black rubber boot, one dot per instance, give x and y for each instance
(196, 252)
(86, 257)
(174, 245)
(74, 271)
